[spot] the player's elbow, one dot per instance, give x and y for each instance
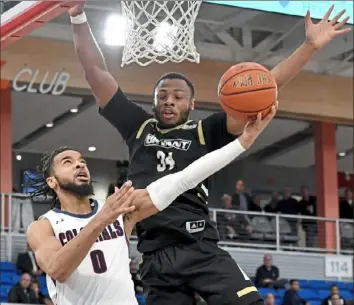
(58, 273)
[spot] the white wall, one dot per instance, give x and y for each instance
(256, 176)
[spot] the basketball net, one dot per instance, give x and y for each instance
(160, 31)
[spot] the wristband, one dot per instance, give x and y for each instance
(79, 19)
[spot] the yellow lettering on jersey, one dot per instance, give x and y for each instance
(201, 133)
(246, 290)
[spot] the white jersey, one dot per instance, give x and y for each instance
(103, 277)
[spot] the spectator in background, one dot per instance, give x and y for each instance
(226, 200)
(272, 206)
(26, 263)
(269, 299)
(346, 205)
(241, 200)
(291, 296)
(21, 293)
(267, 275)
(289, 205)
(232, 225)
(41, 299)
(307, 207)
(334, 298)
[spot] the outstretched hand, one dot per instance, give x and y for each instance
(320, 34)
(77, 9)
(255, 127)
(119, 203)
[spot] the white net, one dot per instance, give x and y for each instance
(160, 31)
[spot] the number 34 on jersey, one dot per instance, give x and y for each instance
(165, 161)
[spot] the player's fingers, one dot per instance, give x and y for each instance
(308, 18)
(342, 23)
(336, 18)
(127, 210)
(344, 31)
(123, 190)
(328, 14)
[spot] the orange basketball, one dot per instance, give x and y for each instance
(247, 89)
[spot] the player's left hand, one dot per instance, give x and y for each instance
(320, 34)
(255, 127)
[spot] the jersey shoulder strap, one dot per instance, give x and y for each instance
(201, 133)
(142, 127)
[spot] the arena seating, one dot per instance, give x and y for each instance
(9, 276)
(312, 290)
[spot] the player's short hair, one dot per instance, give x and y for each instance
(175, 75)
(40, 185)
(292, 281)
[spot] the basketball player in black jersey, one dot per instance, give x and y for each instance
(179, 245)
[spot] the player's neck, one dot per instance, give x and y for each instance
(74, 204)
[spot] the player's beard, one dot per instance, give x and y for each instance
(79, 190)
(183, 118)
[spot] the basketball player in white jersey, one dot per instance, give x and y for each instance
(82, 244)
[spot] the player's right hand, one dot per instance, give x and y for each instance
(119, 203)
(255, 127)
(77, 9)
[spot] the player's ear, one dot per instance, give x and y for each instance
(52, 182)
(192, 103)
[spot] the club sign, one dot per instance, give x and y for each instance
(48, 83)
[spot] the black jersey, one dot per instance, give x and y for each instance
(155, 153)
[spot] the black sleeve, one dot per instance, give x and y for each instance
(215, 131)
(124, 115)
(12, 296)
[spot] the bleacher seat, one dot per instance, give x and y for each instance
(7, 267)
(286, 234)
(323, 293)
(347, 295)
(281, 292)
(15, 278)
(346, 233)
(308, 294)
(316, 302)
(340, 285)
(304, 284)
(318, 285)
(262, 229)
(350, 286)
(4, 290)
(6, 278)
(264, 291)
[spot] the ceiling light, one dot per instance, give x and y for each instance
(92, 148)
(342, 154)
(74, 110)
(49, 125)
(115, 30)
(18, 157)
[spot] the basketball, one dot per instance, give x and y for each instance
(247, 89)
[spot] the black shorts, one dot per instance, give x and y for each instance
(172, 275)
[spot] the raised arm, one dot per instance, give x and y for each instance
(102, 83)
(317, 36)
(123, 114)
(59, 261)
